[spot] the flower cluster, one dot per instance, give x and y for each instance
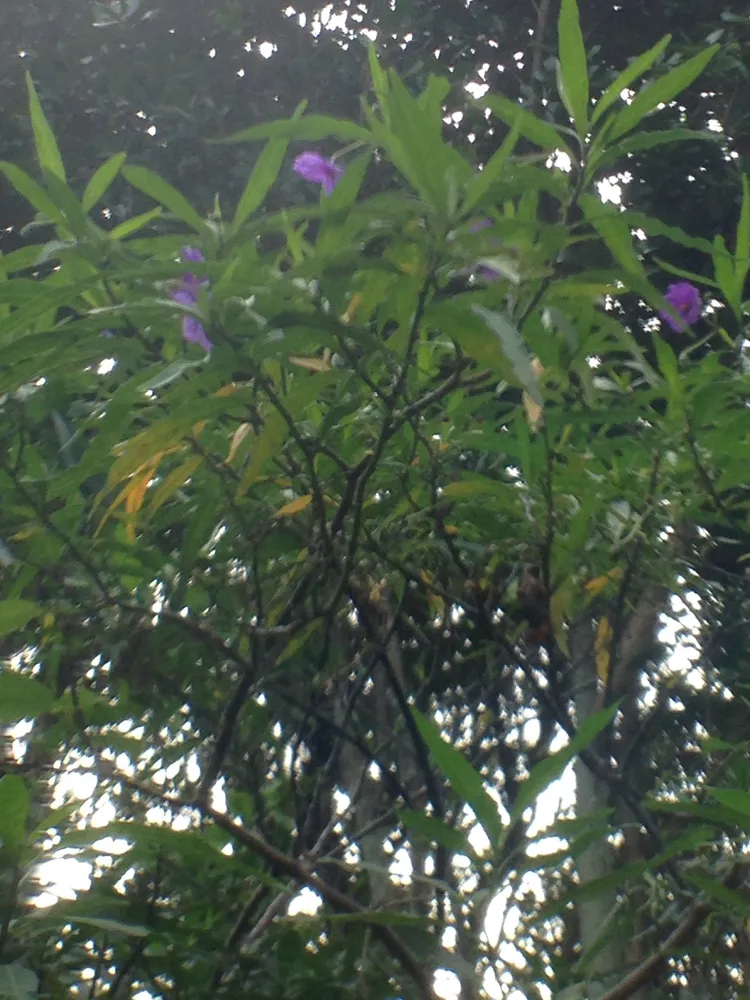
(187, 295)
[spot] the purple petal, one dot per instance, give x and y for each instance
(194, 332)
(488, 273)
(183, 296)
(319, 169)
(192, 254)
(481, 224)
(686, 301)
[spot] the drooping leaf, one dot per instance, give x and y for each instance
(539, 131)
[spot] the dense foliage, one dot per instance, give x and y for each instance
(335, 531)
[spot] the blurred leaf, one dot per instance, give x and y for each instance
(18, 983)
(264, 175)
(14, 810)
(311, 128)
(294, 506)
(22, 697)
(16, 613)
(428, 828)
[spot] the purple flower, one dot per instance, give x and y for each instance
(187, 295)
(686, 301)
(319, 169)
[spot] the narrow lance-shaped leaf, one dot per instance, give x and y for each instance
(742, 248)
(573, 79)
(102, 180)
(311, 128)
(662, 91)
(265, 172)
(640, 65)
(549, 769)
(44, 138)
(542, 133)
(466, 782)
(155, 186)
(514, 347)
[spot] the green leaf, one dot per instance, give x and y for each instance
(33, 193)
(640, 65)
(133, 225)
(265, 172)
(494, 168)
(311, 128)
(46, 145)
(102, 180)
(158, 189)
(742, 247)
(662, 91)
(16, 613)
(647, 140)
(735, 901)
(724, 272)
(546, 771)
(465, 781)
(22, 697)
(14, 810)
(18, 983)
(430, 828)
(105, 924)
(573, 78)
(614, 231)
(542, 133)
(733, 798)
(514, 347)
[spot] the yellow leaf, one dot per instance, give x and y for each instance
(237, 438)
(294, 506)
(48, 621)
(311, 364)
(597, 585)
(534, 411)
(558, 606)
(602, 646)
(348, 316)
(451, 529)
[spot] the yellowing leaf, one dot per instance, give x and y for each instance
(558, 607)
(451, 530)
(294, 506)
(237, 438)
(599, 583)
(602, 647)
(348, 316)
(534, 412)
(311, 364)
